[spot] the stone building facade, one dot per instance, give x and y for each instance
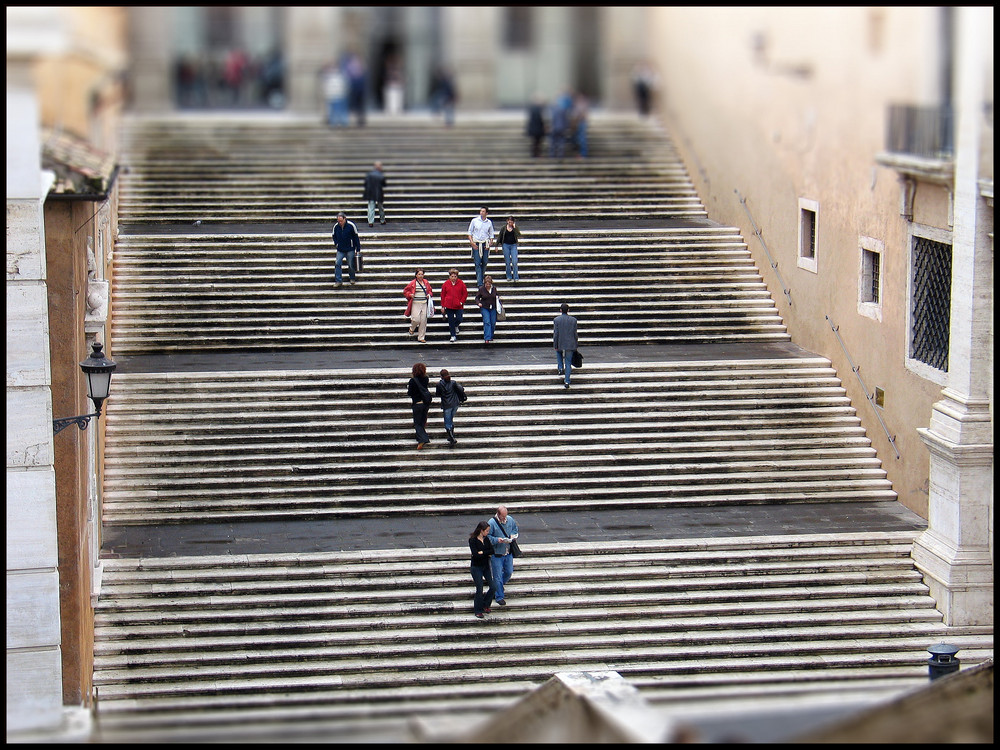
(782, 117)
(853, 146)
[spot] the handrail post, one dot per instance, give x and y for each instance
(774, 265)
(855, 369)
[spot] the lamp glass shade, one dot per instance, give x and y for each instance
(98, 369)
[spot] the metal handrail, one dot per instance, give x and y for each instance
(871, 400)
(774, 265)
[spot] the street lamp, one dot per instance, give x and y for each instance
(98, 369)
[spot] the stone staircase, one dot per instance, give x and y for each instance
(342, 645)
(352, 646)
(228, 292)
(279, 170)
(339, 443)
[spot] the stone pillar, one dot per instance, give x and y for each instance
(34, 671)
(151, 32)
(473, 47)
(310, 43)
(623, 48)
(955, 552)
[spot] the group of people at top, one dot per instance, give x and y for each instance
(566, 125)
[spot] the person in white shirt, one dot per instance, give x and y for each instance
(481, 238)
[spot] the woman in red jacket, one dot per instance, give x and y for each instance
(453, 296)
(420, 302)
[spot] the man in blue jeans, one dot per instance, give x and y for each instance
(503, 529)
(564, 342)
(481, 237)
(345, 237)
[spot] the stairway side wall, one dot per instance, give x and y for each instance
(786, 106)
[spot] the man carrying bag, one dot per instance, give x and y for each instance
(503, 537)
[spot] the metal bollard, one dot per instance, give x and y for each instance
(942, 661)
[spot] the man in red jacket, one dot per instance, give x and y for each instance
(453, 296)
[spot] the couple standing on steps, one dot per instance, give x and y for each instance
(450, 391)
(492, 565)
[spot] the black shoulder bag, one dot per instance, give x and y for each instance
(514, 549)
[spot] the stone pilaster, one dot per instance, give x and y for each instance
(311, 41)
(34, 663)
(955, 553)
(152, 64)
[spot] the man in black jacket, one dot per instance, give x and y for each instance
(375, 193)
(348, 242)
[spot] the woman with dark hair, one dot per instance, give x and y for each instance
(482, 551)
(486, 298)
(419, 392)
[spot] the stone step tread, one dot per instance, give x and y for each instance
(115, 632)
(723, 544)
(706, 369)
(555, 608)
(141, 514)
(320, 703)
(539, 596)
(435, 562)
(447, 573)
(574, 473)
(249, 498)
(123, 631)
(416, 670)
(287, 639)
(442, 560)
(206, 655)
(302, 454)
(765, 671)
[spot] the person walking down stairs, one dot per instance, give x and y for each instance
(420, 395)
(419, 305)
(454, 293)
(452, 394)
(348, 242)
(486, 298)
(503, 531)
(481, 238)
(481, 569)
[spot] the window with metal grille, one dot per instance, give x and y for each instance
(931, 313)
(518, 27)
(870, 276)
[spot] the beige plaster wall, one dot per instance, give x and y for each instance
(782, 105)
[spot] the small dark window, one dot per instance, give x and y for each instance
(808, 249)
(518, 27)
(870, 272)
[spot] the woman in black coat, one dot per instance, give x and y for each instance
(482, 551)
(419, 392)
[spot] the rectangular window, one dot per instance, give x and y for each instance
(930, 314)
(808, 234)
(870, 278)
(518, 27)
